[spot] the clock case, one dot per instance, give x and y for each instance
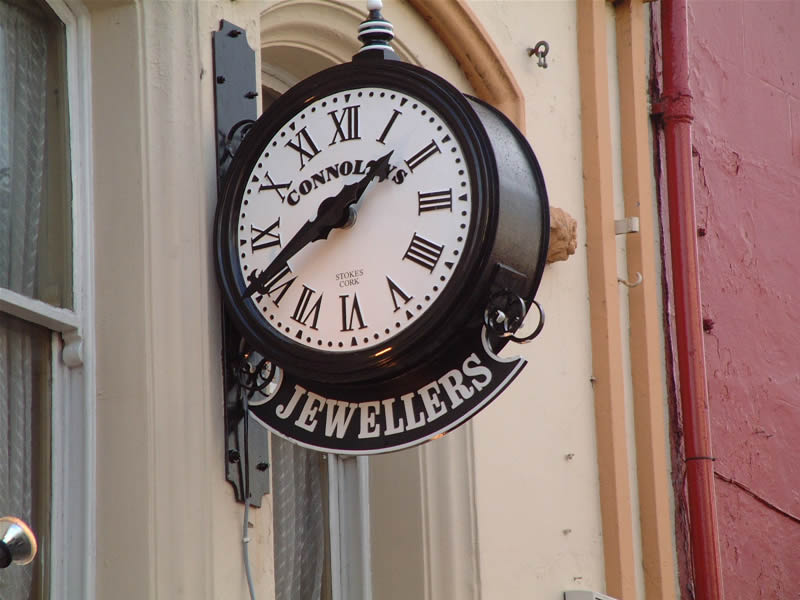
(504, 252)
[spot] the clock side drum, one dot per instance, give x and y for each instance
(519, 252)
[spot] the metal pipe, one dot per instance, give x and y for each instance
(677, 107)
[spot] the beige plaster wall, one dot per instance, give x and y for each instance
(167, 525)
(535, 449)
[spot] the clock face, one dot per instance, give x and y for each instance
(403, 240)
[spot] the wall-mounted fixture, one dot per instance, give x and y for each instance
(540, 50)
(246, 441)
(585, 595)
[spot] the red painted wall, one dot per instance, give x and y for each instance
(745, 58)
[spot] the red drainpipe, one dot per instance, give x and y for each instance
(677, 112)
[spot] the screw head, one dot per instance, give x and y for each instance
(233, 455)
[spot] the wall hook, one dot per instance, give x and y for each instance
(540, 50)
(632, 284)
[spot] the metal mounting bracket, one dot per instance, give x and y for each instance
(235, 96)
(626, 225)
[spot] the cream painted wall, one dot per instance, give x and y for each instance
(622, 268)
(536, 478)
(167, 525)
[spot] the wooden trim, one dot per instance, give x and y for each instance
(658, 556)
(484, 67)
(38, 312)
(612, 451)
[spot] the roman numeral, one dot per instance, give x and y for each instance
(276, 187)
(396, 113)
(279, 284)
(346, 123)
(303, 312)
(423, 252)
(351, 313)
(304, 146)
(435, 201)
(422, 155)
(396, 291)
(256, 235)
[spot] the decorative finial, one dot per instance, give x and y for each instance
(376, 33)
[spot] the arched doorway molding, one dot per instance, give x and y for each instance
(484, 67)
(286, 27)
(302, 37)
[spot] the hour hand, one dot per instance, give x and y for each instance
(332, 213)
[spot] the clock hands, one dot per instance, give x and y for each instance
(333, 213)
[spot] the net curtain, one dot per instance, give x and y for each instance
(298, 521)
(23, 55)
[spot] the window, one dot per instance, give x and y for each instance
(44, 285)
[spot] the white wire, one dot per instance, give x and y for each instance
(246, 523)
(245, 542)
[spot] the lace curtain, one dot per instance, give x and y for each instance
(23, 55)
(298, 521)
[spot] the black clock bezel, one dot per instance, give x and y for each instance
(468, 286)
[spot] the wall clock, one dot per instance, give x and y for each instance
(376, 223)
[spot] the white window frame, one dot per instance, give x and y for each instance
(73, 456)
(349, 525)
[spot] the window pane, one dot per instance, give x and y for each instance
(299, 523)
(25, 446)
(35, 183)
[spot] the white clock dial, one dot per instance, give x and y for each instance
(371, 279)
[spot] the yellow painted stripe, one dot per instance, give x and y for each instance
(615, 489)
(645, 321)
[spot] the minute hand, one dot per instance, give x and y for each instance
(332, 213)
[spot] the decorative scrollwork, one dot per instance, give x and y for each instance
(231, 141)
(505, 313)
(258, 378)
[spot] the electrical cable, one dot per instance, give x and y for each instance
(246, 523)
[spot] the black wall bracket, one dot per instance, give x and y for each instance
(236, 101)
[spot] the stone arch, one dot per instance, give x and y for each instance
(288, 34)
(485, 68)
